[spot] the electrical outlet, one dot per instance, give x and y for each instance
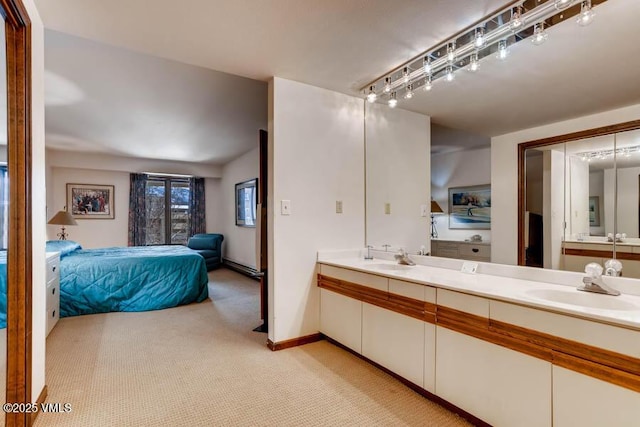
(339, 206)
(285, 207)
(387, 208)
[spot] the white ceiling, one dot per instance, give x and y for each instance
(344, 44)
(105, 99)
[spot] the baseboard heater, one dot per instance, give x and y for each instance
(242, 269)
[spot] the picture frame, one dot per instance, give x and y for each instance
(594, 211)
(246, 203)
(91, 201)
(470, 207)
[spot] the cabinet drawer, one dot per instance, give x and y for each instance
(476, 251)
(447, 253)
(53, 265)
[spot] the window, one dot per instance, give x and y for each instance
(168, 215)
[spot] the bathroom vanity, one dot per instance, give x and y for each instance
(502, 347)
(577, 254)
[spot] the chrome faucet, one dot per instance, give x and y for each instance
(403, 258)
(593, 282)
(368, 255)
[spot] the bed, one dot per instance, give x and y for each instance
(138, 278)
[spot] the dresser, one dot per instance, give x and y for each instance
(473, 251)
(53, 289)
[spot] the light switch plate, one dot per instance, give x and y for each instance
(387, 208)
(339, 206)
(469, 267)
(285, 207)
(423, 210)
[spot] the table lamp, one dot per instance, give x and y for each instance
(62, 218)
(435, 209)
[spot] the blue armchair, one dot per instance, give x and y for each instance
(209, 246)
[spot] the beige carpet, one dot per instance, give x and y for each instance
(201, 365)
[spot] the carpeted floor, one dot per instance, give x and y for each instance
(202, 365)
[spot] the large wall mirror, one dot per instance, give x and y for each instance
(397, 178)
(579, 199)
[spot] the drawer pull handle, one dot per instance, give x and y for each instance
(475, 250)
(54, 268)
(53, 291)
(53, 314)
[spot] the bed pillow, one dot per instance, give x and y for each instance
(65, 247)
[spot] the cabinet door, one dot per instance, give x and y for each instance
(341, 319)
(579, 400)
(395, 341)
(500, 386)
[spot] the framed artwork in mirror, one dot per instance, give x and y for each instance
(470, 207)
(91, 201)
(594, 211)
(246, 203)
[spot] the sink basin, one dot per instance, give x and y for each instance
(582, 299)
(390, 267)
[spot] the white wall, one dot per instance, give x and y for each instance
(596, 189)
(504, 174)
(316, 147)
(578, 194)
(38, 193)
(92, 233)
(398, 170)
(553, 196)
(239, 243)
(458, 169)
(627, 209)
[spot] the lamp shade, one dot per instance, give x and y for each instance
(64, 218)
(435, 207)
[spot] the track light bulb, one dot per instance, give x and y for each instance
(427, 65)
(449, 74)
(451, 52)
(586, 14)
(387, 84)
(392, 100)
(479, 39)
(474, 64)
(540, 35)
(428, 84)
(371, 96)
(517, 22)
(409, 92)
(405, 75)
(503, 50)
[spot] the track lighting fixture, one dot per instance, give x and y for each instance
(492, 35)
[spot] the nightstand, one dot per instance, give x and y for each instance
(53, 289)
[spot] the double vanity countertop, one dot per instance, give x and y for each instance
(623, 310)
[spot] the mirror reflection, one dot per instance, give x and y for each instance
(582, 203)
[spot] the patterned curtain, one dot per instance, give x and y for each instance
(197, 206)
(137, 210)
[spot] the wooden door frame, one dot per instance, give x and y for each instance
(18, 51)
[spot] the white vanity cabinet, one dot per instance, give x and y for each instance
(500, 386)
(341, 319)
(397, 341)
(53, 289)
(579, 400)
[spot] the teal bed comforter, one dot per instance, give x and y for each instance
(3, 289)
(129, 279)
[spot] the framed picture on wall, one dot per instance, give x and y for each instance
(594, 211)
(91, 201)
(470, 207)
(246, 203)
